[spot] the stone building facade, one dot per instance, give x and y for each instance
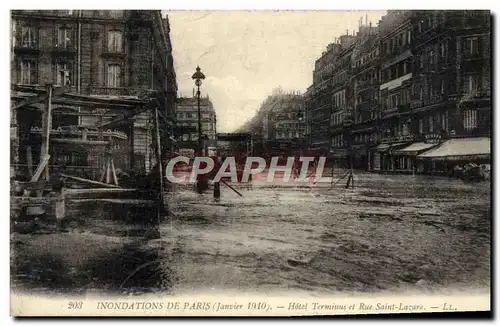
(280, 122)
(415, 81)
(99, 53)
(187, 120)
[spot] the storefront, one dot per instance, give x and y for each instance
(407, 156)
(385, 157)
(457, 151)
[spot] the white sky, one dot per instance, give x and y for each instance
(245, 54)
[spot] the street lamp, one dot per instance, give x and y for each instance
(198, 76)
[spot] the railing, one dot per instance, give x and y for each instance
(84, 132)
(68, 47)
(474, 56)
(113, 91)
(27, 45)
(416, 104)
(394, 139)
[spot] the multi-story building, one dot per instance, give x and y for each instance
(342, 107)
(187, 120)
(106, 54)
(413, 84)
(283, 121)
(396, 73)
(279, 124)
(366, 83)
(318, 101)
(445, 94)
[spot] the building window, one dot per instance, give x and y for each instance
(431, 124)
(115, 41)
(470, 119)
(472, 46)
(64, 38)
(470, 84)
(444, 121)
(113, 75)
(28, 39)
(28, 72)
(443, 49)
(63, 74)
(431, 58)
(421, 126)
(116, 13)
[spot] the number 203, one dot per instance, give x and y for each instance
(75, 305)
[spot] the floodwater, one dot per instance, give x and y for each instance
(389, 233)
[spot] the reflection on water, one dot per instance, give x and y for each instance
(129, 268)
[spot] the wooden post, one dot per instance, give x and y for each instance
(158, 154)
(46, 126)
(29, 159)
(131, 146)
(108, 169)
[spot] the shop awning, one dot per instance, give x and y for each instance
(414, 148)
(386, 146)
(460, 149)
(383, 147)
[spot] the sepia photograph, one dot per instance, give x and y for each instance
(250, 162)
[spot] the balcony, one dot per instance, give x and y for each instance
(363, 85)
(113, 91)
(436, 99)
(67, 49)
(28, 47)
(390, 111)
(414, 104)
(397, 139)
(474, 56)
(113, 53)
(404, 108)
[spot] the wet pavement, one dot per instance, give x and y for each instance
(389, 233)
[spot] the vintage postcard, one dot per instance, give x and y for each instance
(250, 163)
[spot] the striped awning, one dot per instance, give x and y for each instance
(414, 148)
(460, 149)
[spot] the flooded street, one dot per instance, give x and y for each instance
(389, 233)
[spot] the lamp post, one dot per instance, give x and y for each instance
(198, 76)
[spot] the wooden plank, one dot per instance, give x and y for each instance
(42, 97)
(38, 185)
(103, 100)
(108, 170)
(46, 126)
(92, 182)
(158, 156)
(115, 179)
(87, 104)
(40, 168)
